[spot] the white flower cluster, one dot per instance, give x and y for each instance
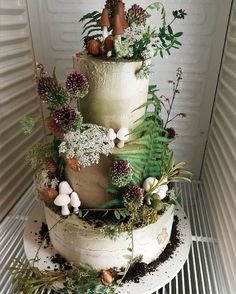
(43, 180)
(123, 49)
(86, 144)
(134, 36)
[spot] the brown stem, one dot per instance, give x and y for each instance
(175, 87)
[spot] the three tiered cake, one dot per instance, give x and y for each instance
(106, 177)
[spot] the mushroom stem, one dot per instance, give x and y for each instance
(121, 144)
(76, 210)
(65, 210)
(118, 38)
(105, 32)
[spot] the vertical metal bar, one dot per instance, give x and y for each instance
(194, 226)
(215, 251)
(196, 219)
(204, 220)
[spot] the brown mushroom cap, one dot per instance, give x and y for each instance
(118, 28)
(120, 9)
(104, 20)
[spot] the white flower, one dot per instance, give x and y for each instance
(86, 144)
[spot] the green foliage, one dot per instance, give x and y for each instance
(130, 217)
(121, 213)
(29, 280)
(90, 27)
(158, 6)
(167, 38)
(151, 147)
(175, 172)
(28, 124)
(38, 153)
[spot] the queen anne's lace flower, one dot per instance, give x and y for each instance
(86, 144)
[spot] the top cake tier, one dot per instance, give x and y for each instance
(114, 91)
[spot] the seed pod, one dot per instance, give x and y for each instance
(94, 47)
(107, 277)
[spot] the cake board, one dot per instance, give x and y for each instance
(164, 273)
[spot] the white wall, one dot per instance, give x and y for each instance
(57, 35)
(219, 169)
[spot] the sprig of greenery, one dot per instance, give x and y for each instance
(168, 39)
(38, 153)
(151, 146)
(91, 27)
(28, 124)
(29, 280)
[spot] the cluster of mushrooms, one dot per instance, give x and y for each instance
(121, 137)
(66, 198)
(118, 23)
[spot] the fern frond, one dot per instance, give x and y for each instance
(91, 24)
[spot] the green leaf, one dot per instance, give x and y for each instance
(117, 214)
(170, 30)
(111, 203)
(128, 257)
(179, 34)
(89, 15)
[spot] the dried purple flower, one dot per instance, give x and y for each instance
(47, 86)
(66, 118)
(121, 173)
(171, 133)
(137, 15)
(133, 192)
(77, 84)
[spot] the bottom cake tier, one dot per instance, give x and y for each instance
(83, 243)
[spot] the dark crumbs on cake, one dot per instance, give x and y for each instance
(107, 176)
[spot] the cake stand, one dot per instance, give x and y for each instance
(147, 284)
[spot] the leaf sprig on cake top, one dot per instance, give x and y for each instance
(128, 33)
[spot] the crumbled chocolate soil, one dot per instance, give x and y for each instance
(43, 234)
(140, 269)
(60, 262)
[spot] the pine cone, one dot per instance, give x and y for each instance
(73, 164)
(49, 194)
(50, 165)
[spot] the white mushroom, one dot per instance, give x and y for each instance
(63, 200)
(123, 136)
(65, 188)
(111, 136)
(75, 201)
(149, 183)
(161, 191)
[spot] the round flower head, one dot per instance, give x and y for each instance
(67, 118)
(77, 84)
(137, 15)
(171, 133)
(121, 173)
(133, 192)
(47, 86)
